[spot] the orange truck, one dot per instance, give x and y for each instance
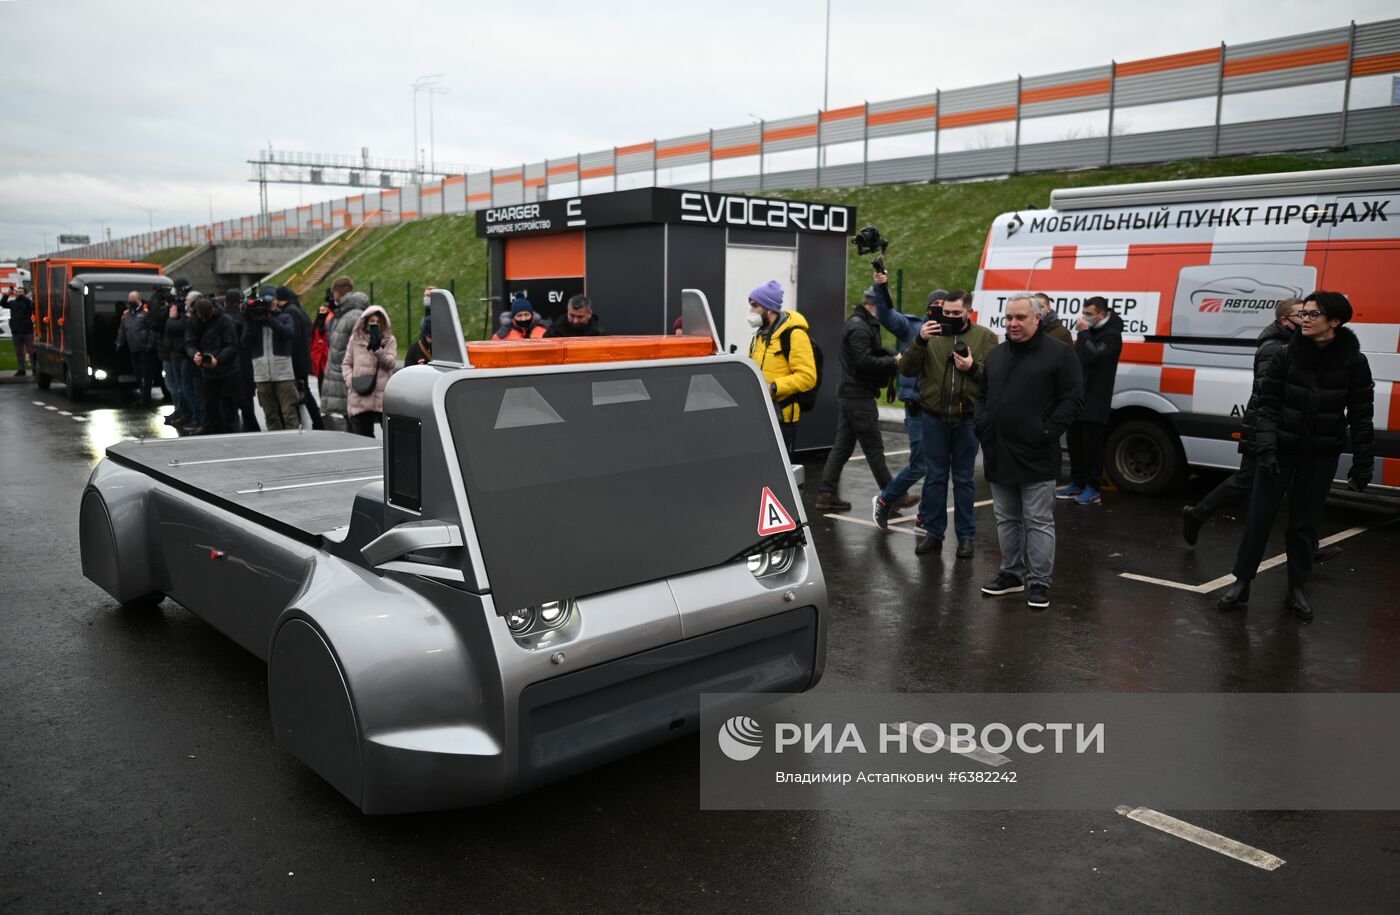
(78, 305)
(1195, 268)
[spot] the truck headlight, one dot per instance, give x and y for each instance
(542, 618)
(552, 612)
(772, 562)
(100, 374)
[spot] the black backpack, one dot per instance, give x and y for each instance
(806, 400)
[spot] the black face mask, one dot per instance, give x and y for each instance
(953, 325)
(524, 325)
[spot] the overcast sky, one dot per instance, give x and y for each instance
(114, 106)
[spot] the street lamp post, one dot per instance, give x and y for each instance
(418, 84)
(432, 150)
(826, 85)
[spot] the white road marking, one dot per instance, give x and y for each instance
(64, 413)
(986, 757)
(1203, 837)
(848, 518)
(47, 407)
(1216, 584)
(245, 492)
(268, 457)
(899, 520)
(37, 403)
(78, 419)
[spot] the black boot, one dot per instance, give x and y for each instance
(1190, 524)
(1297, 602)
(1236, 598)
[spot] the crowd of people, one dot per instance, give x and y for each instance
(212, 355)
(964, 392)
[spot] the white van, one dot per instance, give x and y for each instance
(1195, 268)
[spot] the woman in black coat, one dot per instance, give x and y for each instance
(1315, 399)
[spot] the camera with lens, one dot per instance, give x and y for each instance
(960, 348)
(258, 307)
(868, 241)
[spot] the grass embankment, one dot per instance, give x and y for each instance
(167, 256)
(394, 263)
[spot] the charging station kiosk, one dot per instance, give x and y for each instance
(632, 252)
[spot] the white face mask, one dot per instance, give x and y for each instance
(755, 320)
(427, 301)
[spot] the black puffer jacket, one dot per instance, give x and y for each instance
(1029, 395)
(175, 334)
(216, 337)
(1318, 400)
(1098, 349)
(1271, 339)
(866, 366)
(301, 340)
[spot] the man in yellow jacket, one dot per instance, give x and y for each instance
(782, 349)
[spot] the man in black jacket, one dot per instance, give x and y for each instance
(1239, 484)
(1316, 398)
(290, 303)
(866, 367)
(21, 328)
(211, 342)
(1098, 346)
(1031, 391)
(233, 307)
(578, 321)
(136, 334)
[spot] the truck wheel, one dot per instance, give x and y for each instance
(42, 379)
(1141, 456)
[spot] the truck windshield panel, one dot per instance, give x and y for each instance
(590, 481)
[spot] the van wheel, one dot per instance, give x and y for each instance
(1141, 456)
(75, 394)
(43, 380)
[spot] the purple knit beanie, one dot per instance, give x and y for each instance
(769, 295)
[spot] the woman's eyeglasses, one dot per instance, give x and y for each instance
(1310, 315)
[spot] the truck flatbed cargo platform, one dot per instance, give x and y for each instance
(302, 484)
(538, 568)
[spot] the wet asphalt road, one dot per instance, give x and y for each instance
(138, 769)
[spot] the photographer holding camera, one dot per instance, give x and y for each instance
(866, 367)
(268, 338)
(947, 356)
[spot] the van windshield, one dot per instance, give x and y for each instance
(583, 482)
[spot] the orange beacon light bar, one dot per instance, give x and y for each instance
(500, 354)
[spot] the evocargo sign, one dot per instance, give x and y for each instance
(663, 205)
(758, 213)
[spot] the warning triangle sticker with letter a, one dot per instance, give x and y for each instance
(772, 517)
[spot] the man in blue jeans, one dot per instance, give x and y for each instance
(904, 328)
(1031, 391)
(947, 357)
